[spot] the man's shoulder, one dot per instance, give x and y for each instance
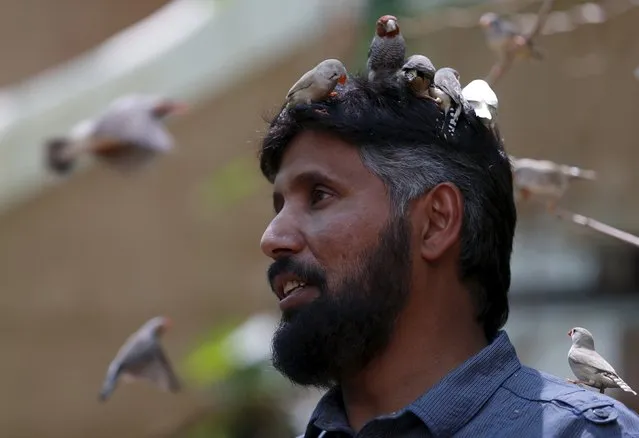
(563, 402)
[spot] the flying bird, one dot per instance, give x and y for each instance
(142, 358)
(448, 90)
(419, 72)
(127, 134)
(545, 179)
(589, 367)
(502, 36)
(318, 83)
(387, 49)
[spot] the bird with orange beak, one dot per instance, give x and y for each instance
(126, 135)
(317, 84)
(142, 358)
(387, 50)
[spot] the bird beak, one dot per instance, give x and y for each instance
(168, 323)
(178, 107)
(342, 80)
(570, 333)
(391, 26)
(481, 110)
(170, 108)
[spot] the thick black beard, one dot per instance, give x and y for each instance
(346, 327)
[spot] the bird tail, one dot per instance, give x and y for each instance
(623, 385)
(58, 159)
(578, 173)
(107, 389)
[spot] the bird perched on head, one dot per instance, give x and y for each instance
(387, 50)
(589, 367)
(317, 84)
(448, 90)
(545, 179)
(142, 358)
(419, 72)
(126, 135)
(484, 102)
(502, 36)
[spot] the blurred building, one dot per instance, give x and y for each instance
(84, 261)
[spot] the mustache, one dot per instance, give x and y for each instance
(309, 274)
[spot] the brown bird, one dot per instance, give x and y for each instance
(419, 72)
(126, 135)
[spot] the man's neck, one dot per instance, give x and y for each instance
(422, 350)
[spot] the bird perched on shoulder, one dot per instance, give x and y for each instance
(589, 367)
(484, 102)
(503, 36)
(126, 135)
(419, 72)
(318, 83)
(142, 358)
(545, 179)
(387, 50)
(448, 90)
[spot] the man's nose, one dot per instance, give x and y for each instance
(282, 237)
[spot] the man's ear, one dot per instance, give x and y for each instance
(440, 215)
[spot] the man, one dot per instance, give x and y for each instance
(391, 252)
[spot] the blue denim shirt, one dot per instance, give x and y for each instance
(489, 395)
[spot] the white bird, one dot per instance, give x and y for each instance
(483, 100)
(589, 367)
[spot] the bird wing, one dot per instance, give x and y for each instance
(508, 27)
(450, 87)
(304, 82)
(160, 371)
(592, 359)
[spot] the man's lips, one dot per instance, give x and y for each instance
(285, 284)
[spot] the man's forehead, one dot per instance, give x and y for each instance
(319, 154)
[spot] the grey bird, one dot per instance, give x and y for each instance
(127, 134)
(419, 73)
(589, 367)
(318, 83)
(448, 90)
(545, 179)
(142, 358)
(387, 49)
(503, 36)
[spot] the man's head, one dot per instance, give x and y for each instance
(371, 203)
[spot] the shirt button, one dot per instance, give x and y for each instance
(600, 413)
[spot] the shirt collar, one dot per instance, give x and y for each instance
(448, 405)
(455, 399)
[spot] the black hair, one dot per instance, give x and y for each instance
(400, 139)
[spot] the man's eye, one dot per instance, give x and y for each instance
(318, 195)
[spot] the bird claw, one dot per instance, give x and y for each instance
(332, 94)
(322, 111)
